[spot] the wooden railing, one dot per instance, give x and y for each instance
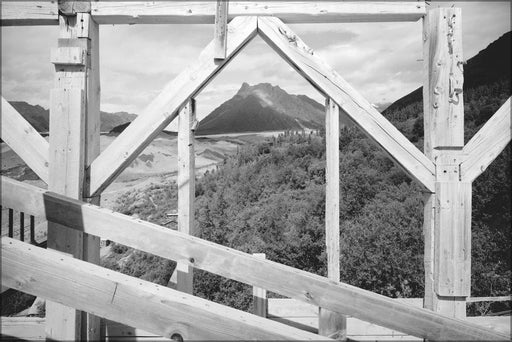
(22, 225)
(19, 263)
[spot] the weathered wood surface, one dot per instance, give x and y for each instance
(330, 323)
(221, 28)
(74, 142)
(329, 82)
(131, 301)
(447, 221)
(161, 111)
(186, 187)
(23, 139)
(194, 12)
(487, 143)
(239, 266)
(20, 13)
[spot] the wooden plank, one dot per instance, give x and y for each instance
(259, 295)
(186, 187)
(221, 28)
(24, 328)
(487, 143)
(489, 299)
(330, 323)
(161, 111)
(20, 13)
(296, 12)
(132, 301)
(447, 223)
(239, 266)
(24, 140)
(327, 81)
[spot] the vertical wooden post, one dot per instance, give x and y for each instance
(74, 142)
(221, 29)
(186, 188)
(259, 296)
(332, 324)
(448, 211)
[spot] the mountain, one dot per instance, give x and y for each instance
(39, 117)
(263, 107)
(489, 66)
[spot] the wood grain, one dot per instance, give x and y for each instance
(132, 301)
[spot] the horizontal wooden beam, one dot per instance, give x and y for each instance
(23, 139)
(203, 12)
(487, 143)
(289, 46)
(243, 267)
(161, 111)
(23, 13)
(128, 300)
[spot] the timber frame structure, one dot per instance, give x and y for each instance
(67, 273)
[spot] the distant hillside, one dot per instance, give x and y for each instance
(489, 66)
(39, 117)
(263, 107)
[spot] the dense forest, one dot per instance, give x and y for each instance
(269, 198)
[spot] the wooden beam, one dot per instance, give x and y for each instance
(447, 222)
(21, 13)
(487, 143)
(239, 266)
(327, 81)
(132, 301)
(159, 113)
(221, 28)
(24, 140)
(332, 324)
(74, 140)
(186, 187)
(296, 12)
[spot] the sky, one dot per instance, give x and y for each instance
(383, 61)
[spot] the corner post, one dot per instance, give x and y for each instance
(332, 324)
(74, 143)
(447, 227)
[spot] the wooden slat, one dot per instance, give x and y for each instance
(243, 267)
(131, 301)
(19, 13)
(196, 12)
(326, 80)
(487, 143)
(24, 140)
(118, 155)
(221, 28)
(330, 323)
